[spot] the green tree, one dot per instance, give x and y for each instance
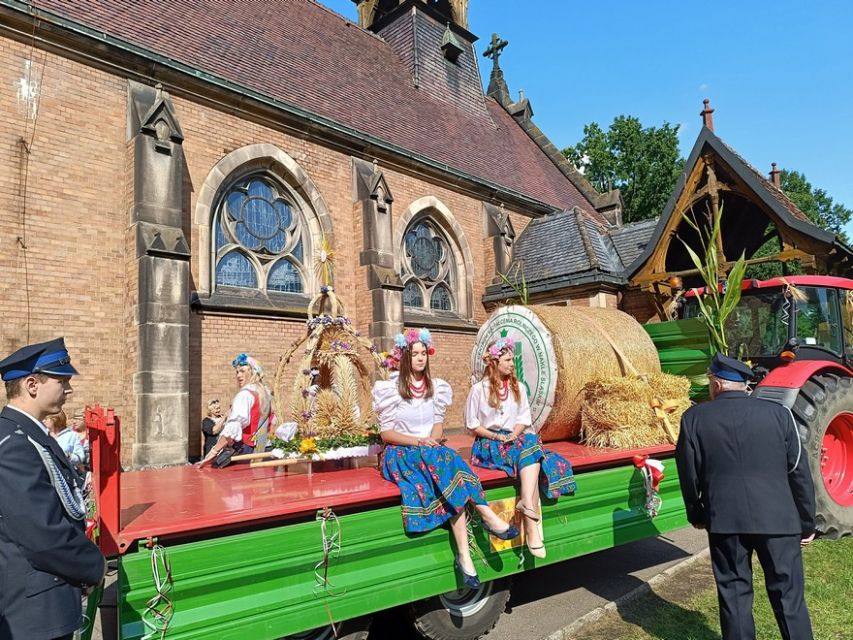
(815, 203)
(821, 210)
(643, 163)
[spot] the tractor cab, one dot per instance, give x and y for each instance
(793, 318)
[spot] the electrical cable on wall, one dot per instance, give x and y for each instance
(33, 99)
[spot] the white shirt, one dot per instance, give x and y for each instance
(71, 445)
(241, 414)
(414, 417)
(478, 412)
(38, 422)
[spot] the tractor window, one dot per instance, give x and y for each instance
(758, 326)
(817, 318)
(847, 319)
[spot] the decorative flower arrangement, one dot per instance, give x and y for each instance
(330, 399)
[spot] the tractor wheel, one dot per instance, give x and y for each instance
(465, 614)
(355, 629)
(824, 413)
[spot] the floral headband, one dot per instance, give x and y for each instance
(391, 359)
(245, 360)
(500, 346)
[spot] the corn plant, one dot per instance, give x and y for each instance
(721, 295)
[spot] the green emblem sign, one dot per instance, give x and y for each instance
(535, 364)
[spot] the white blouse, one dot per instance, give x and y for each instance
(241, 414)
(414, 417)
(478, 412)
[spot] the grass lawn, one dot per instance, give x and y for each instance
(685, 606)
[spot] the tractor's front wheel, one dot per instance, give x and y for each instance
(824, 413)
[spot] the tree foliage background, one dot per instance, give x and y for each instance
(643, 163)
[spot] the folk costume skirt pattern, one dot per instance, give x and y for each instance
(435, 483)
(556, 477)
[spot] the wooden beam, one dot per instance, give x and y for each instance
(782, 256)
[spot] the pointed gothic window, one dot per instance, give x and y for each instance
(427, 268)
(259, 238)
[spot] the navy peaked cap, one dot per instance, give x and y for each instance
(730, 369)
(49, 357)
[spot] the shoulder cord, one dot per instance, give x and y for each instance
(799, 441)
(71, 499)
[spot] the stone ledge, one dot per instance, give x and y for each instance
(251, 303)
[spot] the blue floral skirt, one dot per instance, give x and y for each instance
(435, 484)
(555, 476)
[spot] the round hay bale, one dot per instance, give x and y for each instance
(561, 349)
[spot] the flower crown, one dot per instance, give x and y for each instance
(500, 346)
(391, 359)
(245, 360)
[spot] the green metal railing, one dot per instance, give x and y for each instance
(263, 584)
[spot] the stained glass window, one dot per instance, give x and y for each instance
(259, 238)
(428, 268)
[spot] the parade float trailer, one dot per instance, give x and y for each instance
(312, 550)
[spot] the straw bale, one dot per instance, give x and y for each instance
(584, 354)
(620, 411)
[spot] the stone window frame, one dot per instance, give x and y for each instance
(269, 160)
(461, 318)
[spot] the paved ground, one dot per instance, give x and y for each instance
(547, 599)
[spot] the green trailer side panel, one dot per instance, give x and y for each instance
(263, 584)
(683, 349)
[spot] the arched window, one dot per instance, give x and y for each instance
(260, 238)
(428, 268)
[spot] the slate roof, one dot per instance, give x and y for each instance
(303, 54)
(631, 239)
(566, 249)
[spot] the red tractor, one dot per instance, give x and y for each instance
(798, 333)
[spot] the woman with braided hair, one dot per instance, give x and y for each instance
(435, 483)
(498, 414)
(251, 410)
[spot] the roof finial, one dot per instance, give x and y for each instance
(707, 118)
(497, 85)
(774, 176)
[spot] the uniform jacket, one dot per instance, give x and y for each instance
(734, 455)
(45, 556)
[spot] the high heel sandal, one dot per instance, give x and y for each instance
(530, 513)
(508, 534)
(538, 551)
(472, 581)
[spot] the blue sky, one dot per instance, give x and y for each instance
(779, 73)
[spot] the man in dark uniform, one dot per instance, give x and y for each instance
(745, 478)
(45, 556)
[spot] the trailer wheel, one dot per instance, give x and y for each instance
(824, 413)
(355, 629)
(465, 614)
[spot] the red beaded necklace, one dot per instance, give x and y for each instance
(503, 392)
(418, 390)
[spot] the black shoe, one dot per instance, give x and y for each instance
(472, 581)
(510, 533)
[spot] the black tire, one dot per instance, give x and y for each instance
(355, 629)
(821, 399)
(461, 615)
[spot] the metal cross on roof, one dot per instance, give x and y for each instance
(495, 48)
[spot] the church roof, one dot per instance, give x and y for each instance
(561, 250)
(302, 54)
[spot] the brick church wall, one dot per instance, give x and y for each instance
(80, 261)
(71, 279)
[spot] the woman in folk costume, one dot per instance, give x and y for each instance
(435, 483)
(498, 413)
(250, 418)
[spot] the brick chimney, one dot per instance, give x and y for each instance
(774, 176)
(707, 115)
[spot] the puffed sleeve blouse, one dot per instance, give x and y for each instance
(414, 417)
(478, 412)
